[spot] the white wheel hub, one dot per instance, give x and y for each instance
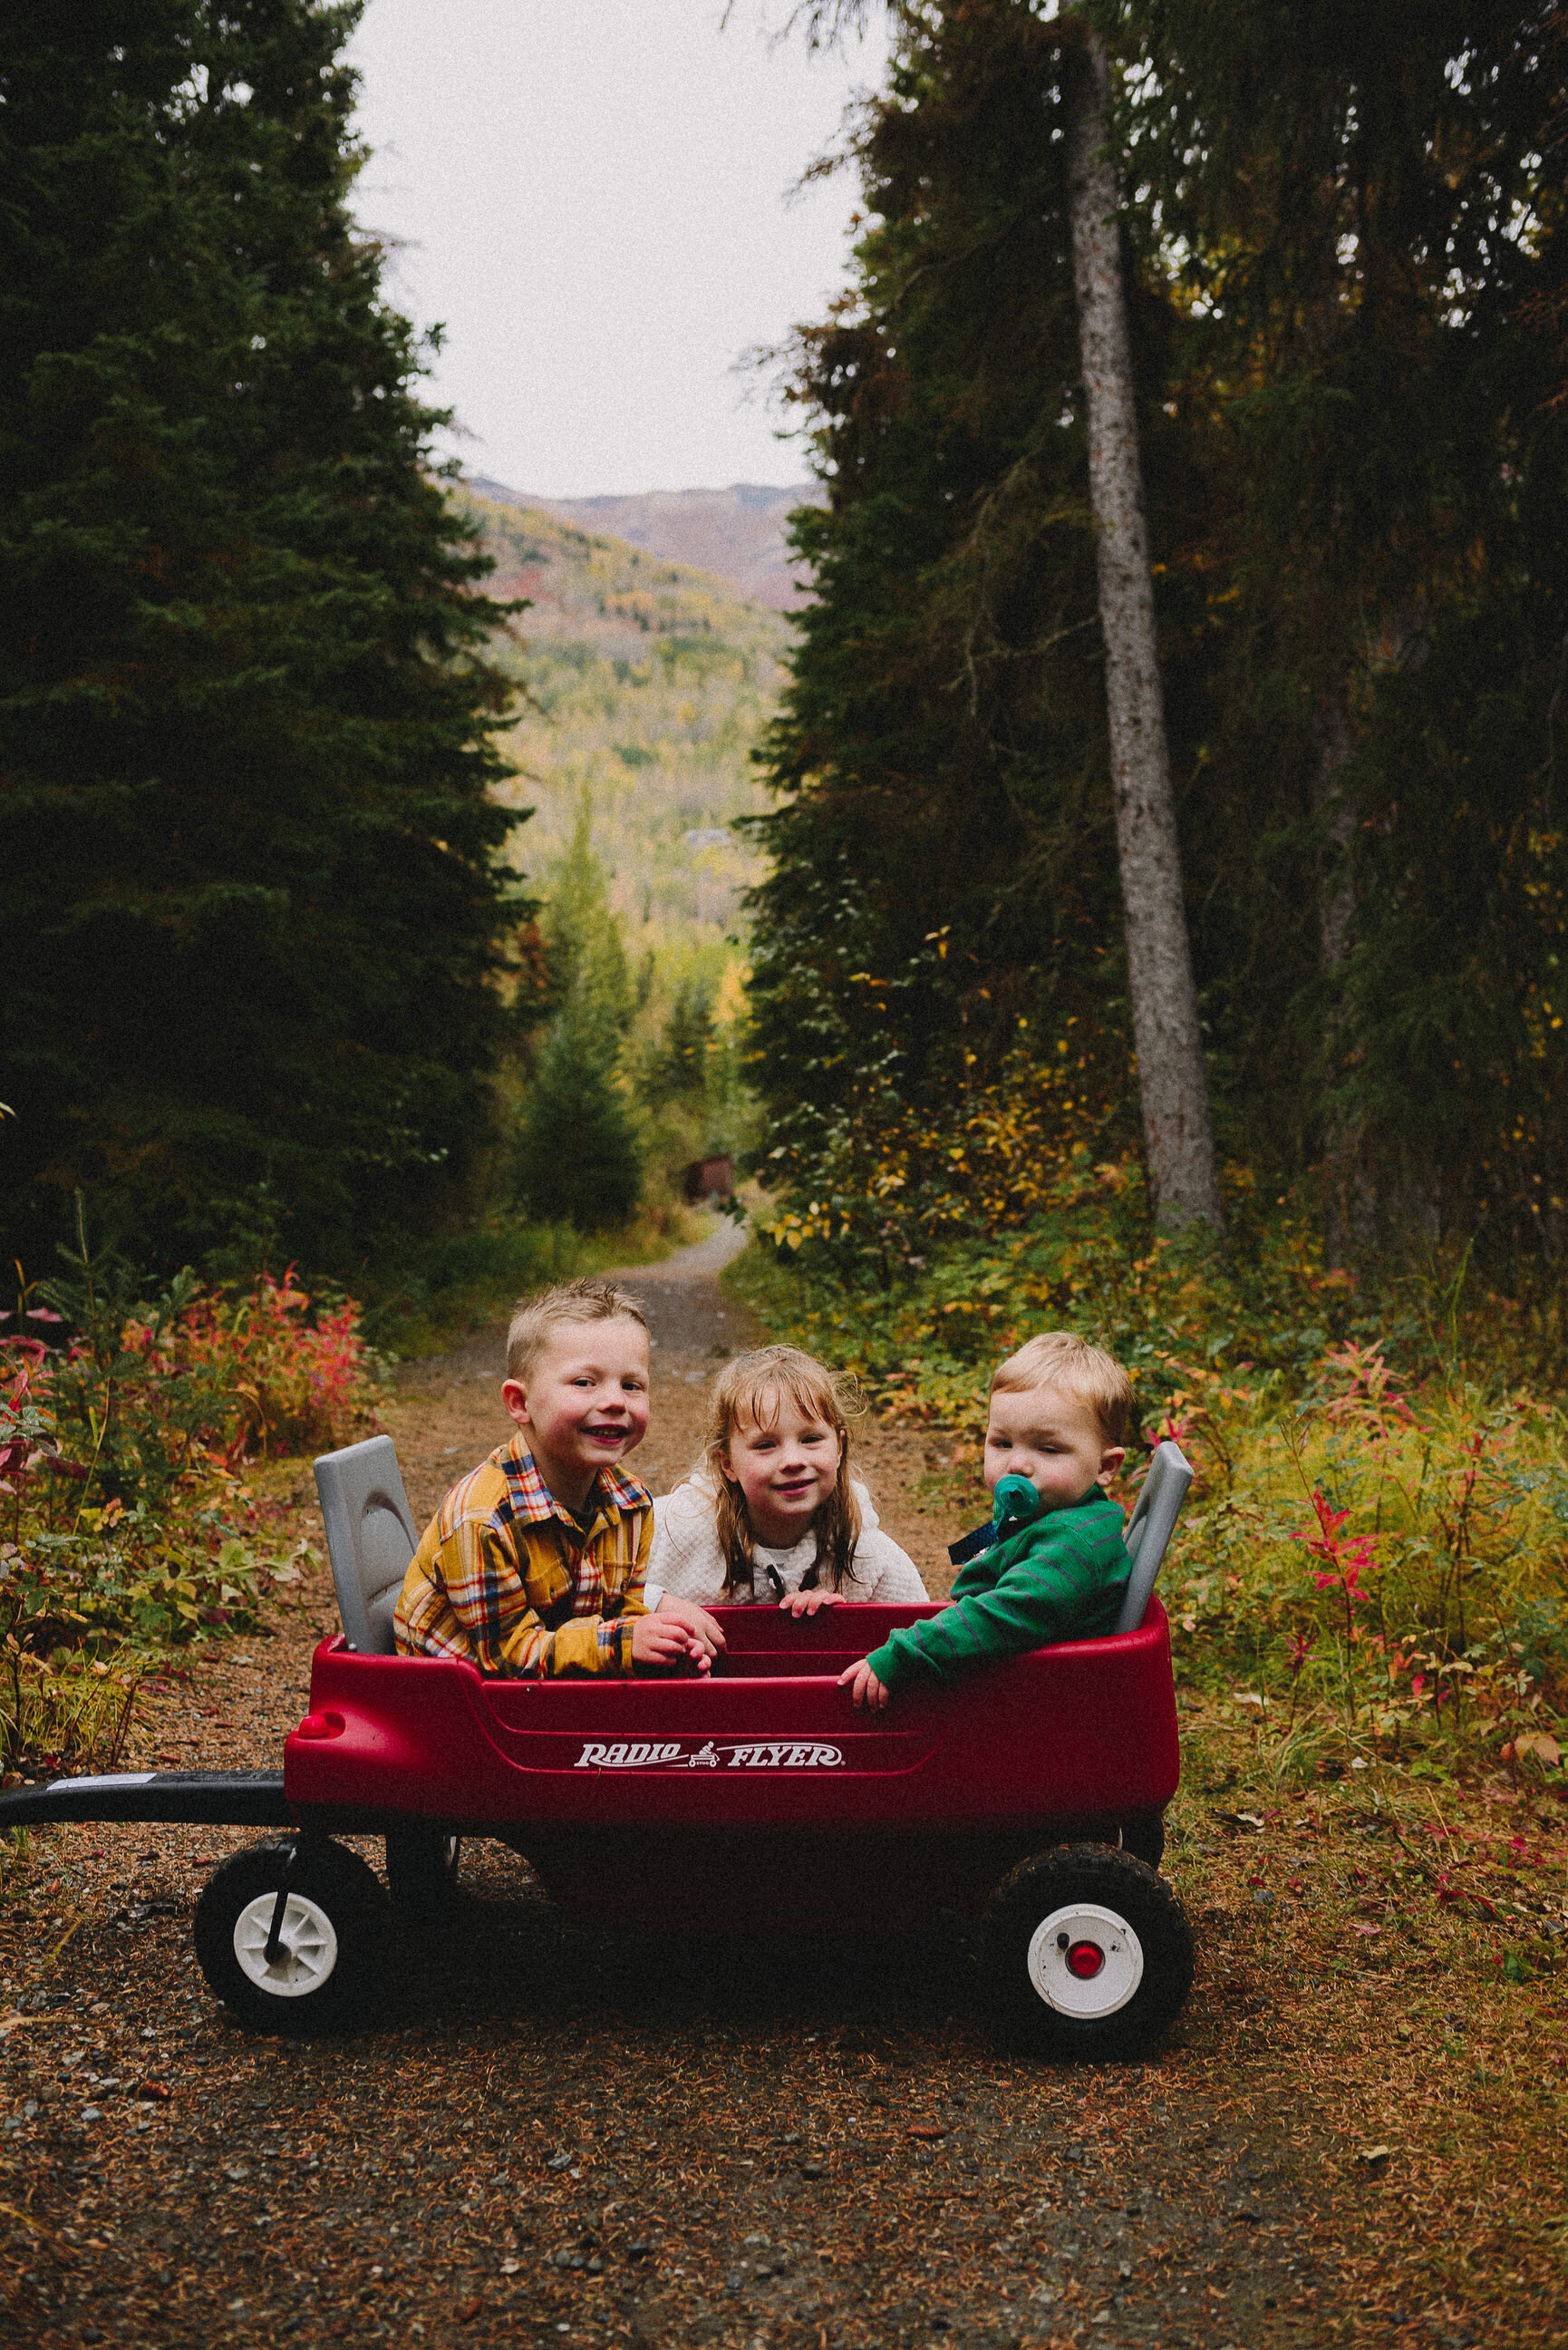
(1085, 1962)
(306, 1946)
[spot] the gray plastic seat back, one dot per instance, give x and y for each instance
(370, 1538)
(1150, 1527)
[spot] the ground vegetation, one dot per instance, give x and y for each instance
(129, 1418)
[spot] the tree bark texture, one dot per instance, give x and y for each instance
(1336, 815)
(1351, 1202)
(1178, 1136)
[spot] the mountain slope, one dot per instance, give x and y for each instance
(737, 534)
(648, 686)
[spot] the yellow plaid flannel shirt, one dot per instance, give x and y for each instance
(507, 1579)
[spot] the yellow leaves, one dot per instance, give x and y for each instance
(788, 1230)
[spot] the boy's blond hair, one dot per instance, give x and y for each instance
(570, 1301)
(1059, 1358)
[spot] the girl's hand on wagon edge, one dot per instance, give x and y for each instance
(864, 1686)
(807, 1603)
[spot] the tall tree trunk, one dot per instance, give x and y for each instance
(1349, 1207)
(1336, 815)
(1178, 1136)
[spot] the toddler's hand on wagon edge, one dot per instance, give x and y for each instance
(662, 1641)
(807, 1603)
(864, 1686)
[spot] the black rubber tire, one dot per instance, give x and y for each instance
(339, 1887)
(422, 1865)
(1144, 1838)
(1059, 1879)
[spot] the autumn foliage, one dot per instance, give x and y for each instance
(126, 1524)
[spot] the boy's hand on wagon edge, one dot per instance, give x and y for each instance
(864, 1686)
(661, 1639)
(696, 1620)
(807, 1603)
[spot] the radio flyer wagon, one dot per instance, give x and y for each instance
(755, 1798)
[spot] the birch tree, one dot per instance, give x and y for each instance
(1173, 1093)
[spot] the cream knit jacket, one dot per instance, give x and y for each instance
(687, 1562)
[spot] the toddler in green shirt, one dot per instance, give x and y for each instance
(1052, 1565)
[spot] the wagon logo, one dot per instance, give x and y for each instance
(721, 1754)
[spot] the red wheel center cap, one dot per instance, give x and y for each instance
(1085, 1960)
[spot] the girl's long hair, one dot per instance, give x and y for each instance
(749, 1388)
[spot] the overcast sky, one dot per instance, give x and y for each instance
(594, 197)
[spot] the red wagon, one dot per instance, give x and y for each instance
(752, 1799)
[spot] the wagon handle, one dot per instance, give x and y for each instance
(275, 1931)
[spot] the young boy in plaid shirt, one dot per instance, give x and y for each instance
(535, 1563)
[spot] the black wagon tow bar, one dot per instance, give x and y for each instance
(242, 1799)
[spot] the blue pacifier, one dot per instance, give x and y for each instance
(1015, 1503)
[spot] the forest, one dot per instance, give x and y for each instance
(275, 705)
(276, 972)
(1342, 245)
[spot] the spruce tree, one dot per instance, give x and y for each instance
(246, 882)
(580, 1159)
(1173, 1083)
(585, 956)
(579, 1153)
(1368, 216)
(679, 1067)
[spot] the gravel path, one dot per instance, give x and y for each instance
(555, 2135)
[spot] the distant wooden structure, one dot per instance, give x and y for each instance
(709, 1179)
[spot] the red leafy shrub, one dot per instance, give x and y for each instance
(122, 1523)
(279, 1381)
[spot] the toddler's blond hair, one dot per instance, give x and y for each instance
(570, 1301)
(1060, 1358)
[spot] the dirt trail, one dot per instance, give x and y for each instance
(552, 2134)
